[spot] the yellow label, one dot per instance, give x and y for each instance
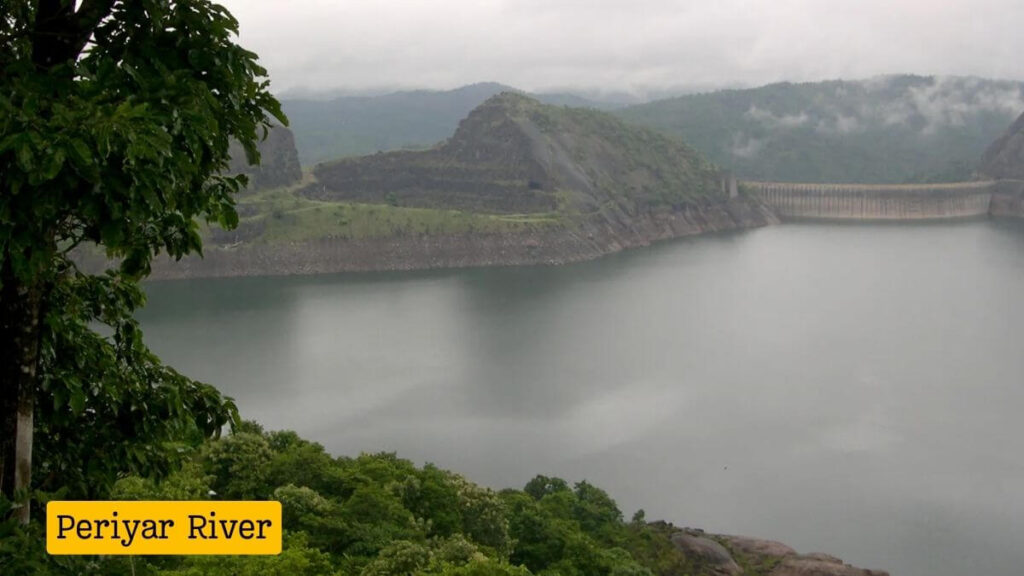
(163, 528)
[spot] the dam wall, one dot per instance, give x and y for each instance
(894, 202)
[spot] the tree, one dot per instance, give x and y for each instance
(115, 123)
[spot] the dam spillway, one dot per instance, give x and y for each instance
(893, 202)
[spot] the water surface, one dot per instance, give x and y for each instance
(851, 389)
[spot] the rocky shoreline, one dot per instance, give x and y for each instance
(594, 238)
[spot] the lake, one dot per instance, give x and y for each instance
(849, 389)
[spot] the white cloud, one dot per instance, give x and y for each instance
(626, 45)
(840, 124)
(746, 147)
(768, 119)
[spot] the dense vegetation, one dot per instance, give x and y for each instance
(115, 124)
(377, 514)
(887, 129)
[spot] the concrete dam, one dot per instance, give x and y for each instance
(894, 202)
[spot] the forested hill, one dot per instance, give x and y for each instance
(380, 515)
(885, 129)
(359, 125)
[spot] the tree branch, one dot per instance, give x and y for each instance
(88, 17)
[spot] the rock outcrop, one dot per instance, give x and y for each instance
(726, 555)
(279, 161)
(514, 155)
(553, 246)
(1004, 159)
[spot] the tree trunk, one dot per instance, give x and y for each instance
(20, 309)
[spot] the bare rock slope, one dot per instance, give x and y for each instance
(279, 161)
(724, 555)
(1004, 159)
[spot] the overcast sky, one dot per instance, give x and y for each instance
(634, 45)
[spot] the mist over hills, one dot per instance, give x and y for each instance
(885, 129)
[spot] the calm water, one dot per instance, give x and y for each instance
(855, 390)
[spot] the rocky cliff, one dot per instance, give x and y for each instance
(1004, 159)
(279, 161)
(518, 183)
(725, 555)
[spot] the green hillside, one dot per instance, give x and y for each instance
(886, 129)
(513, 165)
(360, 125)
(515, 155)
(380, 515)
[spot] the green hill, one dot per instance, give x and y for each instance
(359, 125)
(519, 182)
(886, 129)
(514, 155)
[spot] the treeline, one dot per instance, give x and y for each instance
(377, 515)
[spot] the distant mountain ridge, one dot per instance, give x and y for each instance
(885, 129)
(359, 125)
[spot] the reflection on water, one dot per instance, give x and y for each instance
(848, 389)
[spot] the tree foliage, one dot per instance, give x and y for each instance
(115, 123)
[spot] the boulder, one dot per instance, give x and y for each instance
(820, 565)
(707, 552)
(758, 547)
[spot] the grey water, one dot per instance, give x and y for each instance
(849, 389)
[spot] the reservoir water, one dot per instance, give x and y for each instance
(850, 389)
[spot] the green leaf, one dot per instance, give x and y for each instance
(25, 155)
(77, 400)
(82, 155)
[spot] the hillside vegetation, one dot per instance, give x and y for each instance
(886, 129)
(380, 515)
(358, 125)
(518, 183)
(515, 155)
(514, 165)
